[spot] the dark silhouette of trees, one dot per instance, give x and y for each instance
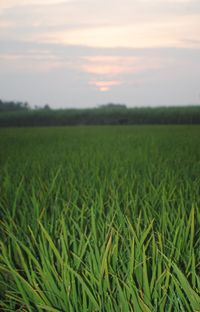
(47, 107)
(9, 106)
(19, 114)
(113, 106)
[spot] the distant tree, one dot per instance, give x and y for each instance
(113, 105)
(26, 105)
(7, 106)
(47, 107)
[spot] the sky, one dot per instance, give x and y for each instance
(84, 53)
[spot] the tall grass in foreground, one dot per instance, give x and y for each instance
(100, 219)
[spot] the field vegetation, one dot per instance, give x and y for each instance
(100, 219)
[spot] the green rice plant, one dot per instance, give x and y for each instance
(100, 219)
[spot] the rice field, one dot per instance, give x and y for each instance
(100, 219)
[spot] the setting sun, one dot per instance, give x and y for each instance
(104, 86)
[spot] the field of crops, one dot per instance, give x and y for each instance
(100, 219)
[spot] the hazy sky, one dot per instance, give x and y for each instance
(81, 53)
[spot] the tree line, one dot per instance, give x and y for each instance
(10, 106)
(17, 114)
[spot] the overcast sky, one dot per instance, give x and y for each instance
(82, 53)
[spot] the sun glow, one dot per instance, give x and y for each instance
(108, 71)
(111, 65)
(104, 86)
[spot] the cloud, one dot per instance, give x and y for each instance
(166, 33)
(169, 1)
(4, 24)
(6, 4)
(110, 65)
(33, 61)
(139, 23)
(117, 65)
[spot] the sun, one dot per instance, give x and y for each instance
(105, 85)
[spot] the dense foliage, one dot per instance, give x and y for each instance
(105, 115)
(100, 219)
(10, 106)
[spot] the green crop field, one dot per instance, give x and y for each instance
(100, 219)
